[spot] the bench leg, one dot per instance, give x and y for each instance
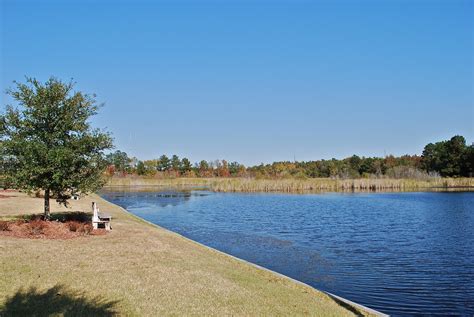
(107, 226)
(95, 225)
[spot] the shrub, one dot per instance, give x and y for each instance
(4, 225)
(36, 227)
(71, 216)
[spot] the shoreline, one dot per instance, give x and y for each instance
(342, 299)
(175, 275)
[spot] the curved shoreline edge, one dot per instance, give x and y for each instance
(335, 297)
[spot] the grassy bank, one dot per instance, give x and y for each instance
(138, 269)
(299, 185)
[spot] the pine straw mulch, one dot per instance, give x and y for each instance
(2, 196)
(37, 228)
(5, 196)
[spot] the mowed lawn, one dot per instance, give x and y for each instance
(138, 269)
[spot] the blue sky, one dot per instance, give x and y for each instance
(256, 81)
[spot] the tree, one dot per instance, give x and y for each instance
(185, 166)
(150, 167)
(467, 166)
(120, 160)
(141, 170)
(355, 163)
(175, 163)
(164, 163)
(455, 149)
(223, 169)
(446, 157)
(47, 142)
(204, 169)
(235, 168)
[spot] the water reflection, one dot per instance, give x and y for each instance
(144, 197)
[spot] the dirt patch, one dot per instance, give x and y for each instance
(41, 229)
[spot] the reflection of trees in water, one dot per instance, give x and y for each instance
(143, 196)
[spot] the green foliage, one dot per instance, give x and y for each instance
(467, 162)
(150, 167)
(185, 166)
(236, 169)
(351, 167)
(449, 158)
(175, 163)
(47, 142)
(120, 160)
(164, 163)
(141, 170)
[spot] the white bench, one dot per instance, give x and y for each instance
(100, 218)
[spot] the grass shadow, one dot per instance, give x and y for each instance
(57, 300)
(64, 216)
(78, 216)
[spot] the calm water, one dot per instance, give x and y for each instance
(400, 253)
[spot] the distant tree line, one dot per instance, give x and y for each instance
(451, 158)
(121, 164)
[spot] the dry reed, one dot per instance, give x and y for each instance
(300, 185)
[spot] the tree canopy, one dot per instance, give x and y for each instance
(451, 158)
(47, 142)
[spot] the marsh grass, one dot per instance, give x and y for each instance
(162, 182)
(317, 185)
(293, 185)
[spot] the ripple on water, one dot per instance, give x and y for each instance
(400, 253)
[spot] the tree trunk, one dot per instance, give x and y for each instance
(46, 204)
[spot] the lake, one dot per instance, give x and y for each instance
(399, 253)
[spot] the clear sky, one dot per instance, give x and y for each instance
(256, 81)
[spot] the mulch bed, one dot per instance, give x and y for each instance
(7, 191)
(41, 229)
(6, 196)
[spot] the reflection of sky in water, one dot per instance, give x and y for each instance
(401, 253)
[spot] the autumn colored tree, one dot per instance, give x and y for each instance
(223, 169)
(204, 169)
